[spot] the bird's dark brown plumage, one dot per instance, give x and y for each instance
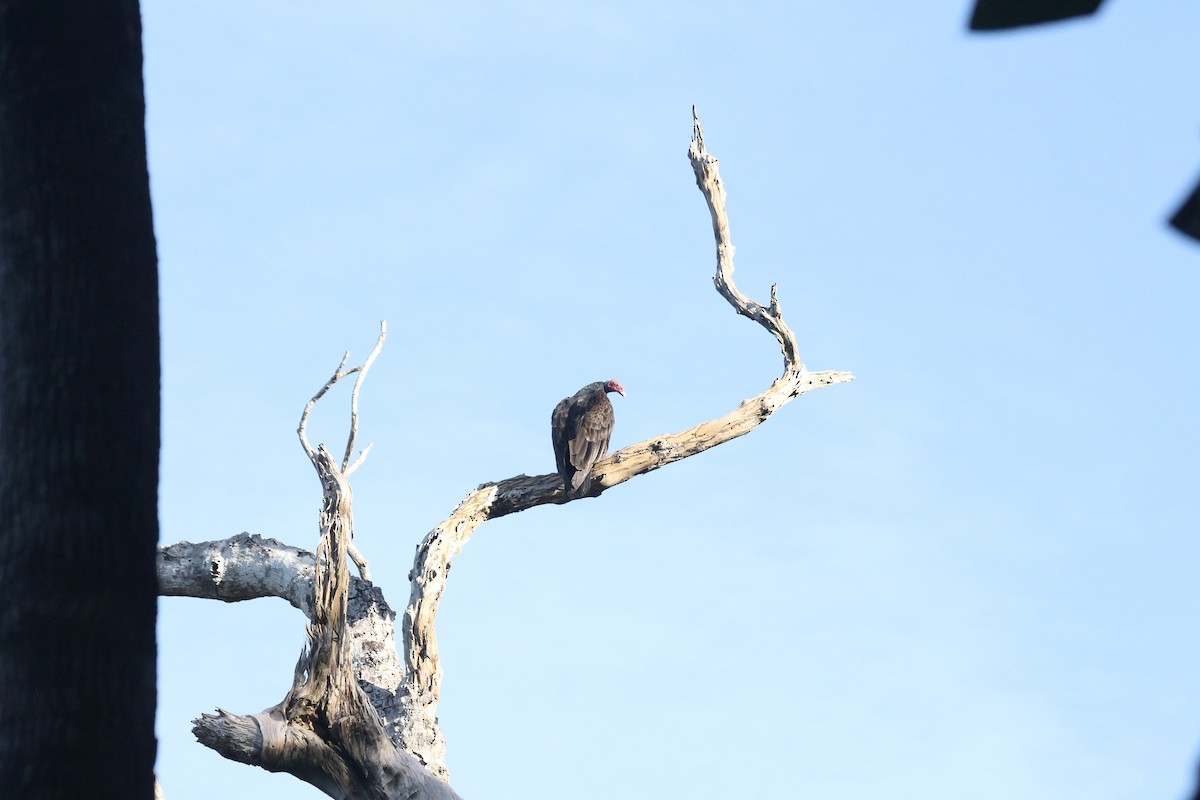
(580, 428)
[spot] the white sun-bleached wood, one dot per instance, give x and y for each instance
(247, 567)
(423, 672)
(244, 567)
(327, 730)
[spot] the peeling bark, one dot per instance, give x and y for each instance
(248, 567)
(356, 724)
(327, 730)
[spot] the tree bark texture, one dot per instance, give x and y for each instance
(357, 722)
(246, 567)
(79, 404)
(338, 728)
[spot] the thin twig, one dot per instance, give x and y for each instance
(303, 427)
(346, 468)
(362, 456)
(362, 373)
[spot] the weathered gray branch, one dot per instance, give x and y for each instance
(423, 671)
(247, 567)
(327, 730)
(243, 567)
(338, 374)
(347, 467)
(352, 436)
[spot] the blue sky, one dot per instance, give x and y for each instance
(969, 574)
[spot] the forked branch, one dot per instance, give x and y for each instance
(347, 468)
(423, 672)
(338, 374)
(327, 731)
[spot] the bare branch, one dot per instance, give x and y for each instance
(362, 456)
(243, 567)
(325, 695)
(269, 741)
(302, 429)
(326, 650)
(423, 670)
(247, 567)
(422, 666)
(347, 468)
(360, 561)
(338, 374)
(362, 374)
(266, 740)
(326, 731)
(708, 179)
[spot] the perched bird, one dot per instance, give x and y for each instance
(580, 428)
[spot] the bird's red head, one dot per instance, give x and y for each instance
(613, 386)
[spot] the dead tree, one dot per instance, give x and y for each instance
(360, 720)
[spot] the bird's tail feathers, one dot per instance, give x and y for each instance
(580, 483)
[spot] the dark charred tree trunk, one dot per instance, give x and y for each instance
(79, 404)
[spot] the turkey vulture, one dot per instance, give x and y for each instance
(580, 427)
